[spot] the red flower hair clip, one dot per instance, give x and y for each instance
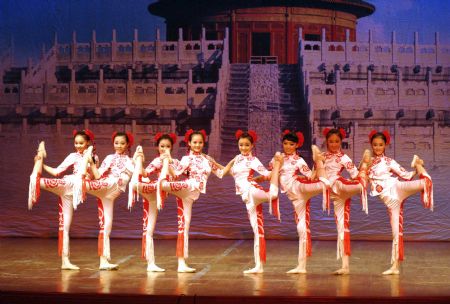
(343, 133)
(205, 137)
(238, 133)
(253, 135)
(130, 138)
(173, 136)
(326, 131)
(371, 134)
(157, 136)
(301, 138)
(285, 132)
(187, 135)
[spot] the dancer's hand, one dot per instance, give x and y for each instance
(166, 155)
(279, 157)
(138, 154)
(36, 158)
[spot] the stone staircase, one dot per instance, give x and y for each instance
(292, 106)
(236, 109)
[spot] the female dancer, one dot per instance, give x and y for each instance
(147, 188)
(300, 189)
(252, 194)
(111, 179)
(393, 192)
(198, 166)
(63, 187)
(343, 189)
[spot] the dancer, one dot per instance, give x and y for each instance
(198, 167)
(252, 194)
(393, 192)
(147, 188)
(343, 189)
(111, 179)
(301, 188)
(62, 187)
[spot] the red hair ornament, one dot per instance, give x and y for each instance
(252, 134)
(301, 138)
(385, 133)
(129, 136)
(88, 132)
(189, 133)
(341, 131)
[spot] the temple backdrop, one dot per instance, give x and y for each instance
(219, 213)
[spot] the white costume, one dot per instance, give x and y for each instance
(394, 192)
(147, 188)
(198, 168)
(115, 172)
(253, 195)
(63, 187)
(342, 191)
(300, 190)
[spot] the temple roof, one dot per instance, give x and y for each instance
(185, 9)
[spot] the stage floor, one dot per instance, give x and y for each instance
(30, 273)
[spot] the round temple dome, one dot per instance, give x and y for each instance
(262, 27)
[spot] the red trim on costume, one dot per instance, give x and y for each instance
(60, 226)
(276, 208)
(308, 230)
(348, 182)
(262, 240)
(38, 188)
(400, 234)
(427, 192)
(146, 207)
(347, 249)
(101, 221)
(327, 195)
(180, 238)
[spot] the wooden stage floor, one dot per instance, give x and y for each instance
(30, 273)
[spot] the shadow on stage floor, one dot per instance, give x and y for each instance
(29, 273)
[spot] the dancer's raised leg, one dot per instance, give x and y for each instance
(34, 186)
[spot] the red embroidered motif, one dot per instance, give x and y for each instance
(149, 188)
(97, 184)
(53, 182)
(177, 186)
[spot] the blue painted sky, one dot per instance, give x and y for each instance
(34, 22)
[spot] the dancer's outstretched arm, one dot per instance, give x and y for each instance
(94, 169)
(227, 168)
(67, 162)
